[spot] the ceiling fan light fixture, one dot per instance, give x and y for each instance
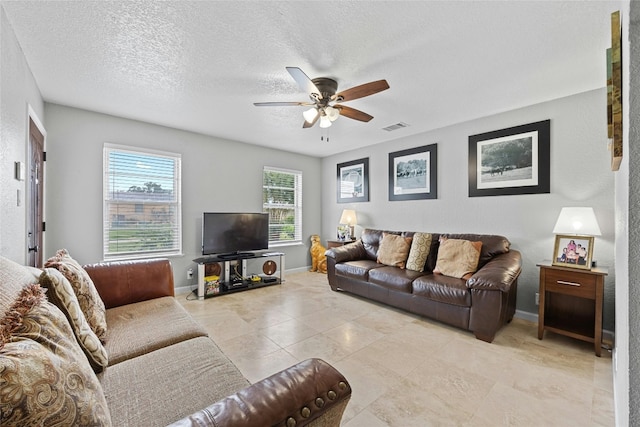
(310, 114)
(325, 122)
(332, 113)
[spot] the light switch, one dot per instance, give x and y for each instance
(19, 171)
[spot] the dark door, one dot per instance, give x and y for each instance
(35, 189)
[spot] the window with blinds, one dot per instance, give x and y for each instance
(142, 203)
(282, 200)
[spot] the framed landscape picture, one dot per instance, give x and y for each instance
(573, 251)
(413, 173)
(510, 161)
(353, 181)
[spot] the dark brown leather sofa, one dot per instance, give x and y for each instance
(481, 304)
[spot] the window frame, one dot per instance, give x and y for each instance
(297, 206)
(108, 200)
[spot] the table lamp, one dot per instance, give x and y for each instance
(348, 218)
(575, 224)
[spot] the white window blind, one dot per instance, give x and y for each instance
(142, 203)
(282, 200)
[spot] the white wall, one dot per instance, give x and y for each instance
(626, 353)
(217, 175)
(580, 175)
(18, 90)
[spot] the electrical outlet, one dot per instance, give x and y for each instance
(190, 273)
(537, 298)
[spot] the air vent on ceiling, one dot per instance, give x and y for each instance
(396, 126)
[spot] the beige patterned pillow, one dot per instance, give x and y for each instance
(46, 380)
(394, 250)
(13, 278)
(61, 294)
(420, 246)
(457, 258)
(88, 297)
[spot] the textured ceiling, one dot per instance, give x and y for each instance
(201, 65)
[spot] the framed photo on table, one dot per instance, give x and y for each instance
(353, 181)
(510, 161)
(413, 173)
(573, 251)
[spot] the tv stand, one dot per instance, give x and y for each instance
(238, 271)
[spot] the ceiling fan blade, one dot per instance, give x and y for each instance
(361, 91)
(281, 104)
(352, 113)
(306, 124)
(304, 82)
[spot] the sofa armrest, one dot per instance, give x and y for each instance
(311, 391)
(350, 252)
(499, 273)
(126, 282)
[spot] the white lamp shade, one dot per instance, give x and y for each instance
(325, 122)
(332, 113)
(581, 221)
(348, 217)
(310, 114)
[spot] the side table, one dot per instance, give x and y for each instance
(336, 243)
(571, 302)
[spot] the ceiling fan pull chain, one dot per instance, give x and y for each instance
(325, 134)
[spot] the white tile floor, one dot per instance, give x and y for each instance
(405, 370)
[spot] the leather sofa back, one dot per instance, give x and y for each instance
(132, 275)
(492, 245)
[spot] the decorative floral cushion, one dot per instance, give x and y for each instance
(45, 378)
(88, 297)
(457, 258)
(394, 250)
(13, 278)
(61, 294)
(420, 246)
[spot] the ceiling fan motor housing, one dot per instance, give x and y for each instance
(327, 88)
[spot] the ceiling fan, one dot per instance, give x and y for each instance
(325, 103)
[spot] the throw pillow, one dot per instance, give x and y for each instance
(457, 258)
(46, 380)
(61, 294)
(420, 246)
(394, 250)
(13, 278)
(88, 297)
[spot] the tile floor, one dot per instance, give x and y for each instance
(405, 370)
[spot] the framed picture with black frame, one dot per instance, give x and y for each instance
(413, 173)
(510, 161)
(353, 181)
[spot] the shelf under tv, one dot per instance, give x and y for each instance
(235, 272)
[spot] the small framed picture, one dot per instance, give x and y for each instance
(353, 181)
(573, 251)
(413, 173)
(344, 232)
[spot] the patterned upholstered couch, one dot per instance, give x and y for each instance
(465, 280)
(108, 344)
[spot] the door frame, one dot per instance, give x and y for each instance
(32, 116)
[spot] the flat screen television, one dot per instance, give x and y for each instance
(225, 233)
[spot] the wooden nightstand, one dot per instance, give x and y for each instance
(571, 302)
(336, 243)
